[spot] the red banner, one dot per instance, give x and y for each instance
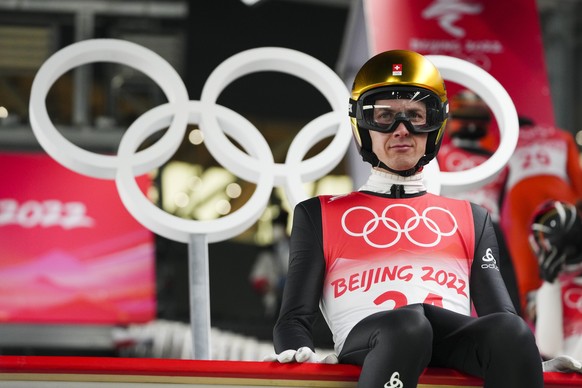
(502, 37)
(69, 250)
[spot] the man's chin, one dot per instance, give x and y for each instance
(401, 167)
(394, 170)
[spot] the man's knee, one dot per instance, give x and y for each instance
(510, 333)
(509, 353)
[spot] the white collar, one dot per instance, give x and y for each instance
(381, 182)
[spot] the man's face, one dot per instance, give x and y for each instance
(401, 149)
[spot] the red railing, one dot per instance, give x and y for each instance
(117, 371)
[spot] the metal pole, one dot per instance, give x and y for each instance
(199, 296)
(83, 75)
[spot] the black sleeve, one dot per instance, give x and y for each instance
(304, 284)
(488, 290)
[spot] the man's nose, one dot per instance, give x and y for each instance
(401, 130)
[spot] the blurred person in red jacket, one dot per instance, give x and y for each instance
(545, 166)
(468, 125)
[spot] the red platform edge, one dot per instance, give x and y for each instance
(234, 369)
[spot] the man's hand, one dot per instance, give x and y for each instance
(565, 364)
(303, 354)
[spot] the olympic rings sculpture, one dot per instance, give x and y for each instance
(216, 122)
(257, 166)
(409, 225)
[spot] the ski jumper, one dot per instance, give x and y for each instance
(545, 165)
(395, 276)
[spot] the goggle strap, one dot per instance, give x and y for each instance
(353, 108)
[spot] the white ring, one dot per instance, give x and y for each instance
(106, 50)
(294, 172)
(176, 228)
(481, 82)
(256, 165)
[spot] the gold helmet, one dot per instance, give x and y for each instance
(398, 74)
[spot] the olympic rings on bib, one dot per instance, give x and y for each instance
(411, 224)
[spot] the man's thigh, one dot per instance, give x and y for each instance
(456, 338)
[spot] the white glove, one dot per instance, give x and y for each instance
(303, 354)
(563, 363)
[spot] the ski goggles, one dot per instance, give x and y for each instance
(383, 109)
